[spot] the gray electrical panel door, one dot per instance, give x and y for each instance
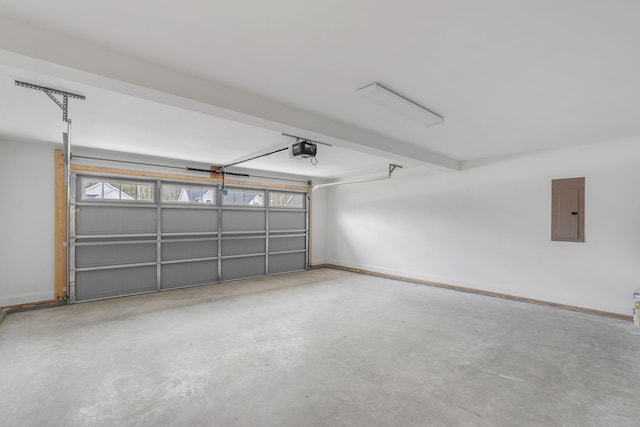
(131, 236)
(567, 209)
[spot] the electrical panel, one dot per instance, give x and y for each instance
(567, 210)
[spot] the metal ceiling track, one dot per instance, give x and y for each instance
(392, 167)
(66, 143)
(254, 157)
(279, 150)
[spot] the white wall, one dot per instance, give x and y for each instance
(27, 218)
(489, 227)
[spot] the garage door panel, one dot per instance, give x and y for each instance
(238, 268)
(189, 274)
(243, 220)
(280, 244)
(188, 250)
(114, 254)
(92, 220)
(282, 263)
(189, 220)
(287, 220)
(243, 246)
(114, 282)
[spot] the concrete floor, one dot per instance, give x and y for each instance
(320, 348)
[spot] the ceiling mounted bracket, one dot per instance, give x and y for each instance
(51, 93)
(299, 138)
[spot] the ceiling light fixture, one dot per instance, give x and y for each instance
(387, 98)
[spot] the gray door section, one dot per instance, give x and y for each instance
(131, 236)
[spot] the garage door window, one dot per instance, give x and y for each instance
(176, 193)
(124, 191)
(243, 197)
(286, 200)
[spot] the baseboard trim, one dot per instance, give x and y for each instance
(16, 308)
(475, 291)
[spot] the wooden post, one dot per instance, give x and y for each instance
(60, 225)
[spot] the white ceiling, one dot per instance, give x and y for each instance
(112, 121)
(508, 76)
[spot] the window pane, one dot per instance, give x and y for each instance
(95, 189)
(255, 198)
(233, 197)
(201, 195)
(244, 198)
(286, 200)
(112, 191)
(209, 196)
(227, 199)
(145, 192)
(92, 189)
(172, 193)
(185, 194)
(127, 191)
(195, 195)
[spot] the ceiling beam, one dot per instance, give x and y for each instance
(34, 49)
